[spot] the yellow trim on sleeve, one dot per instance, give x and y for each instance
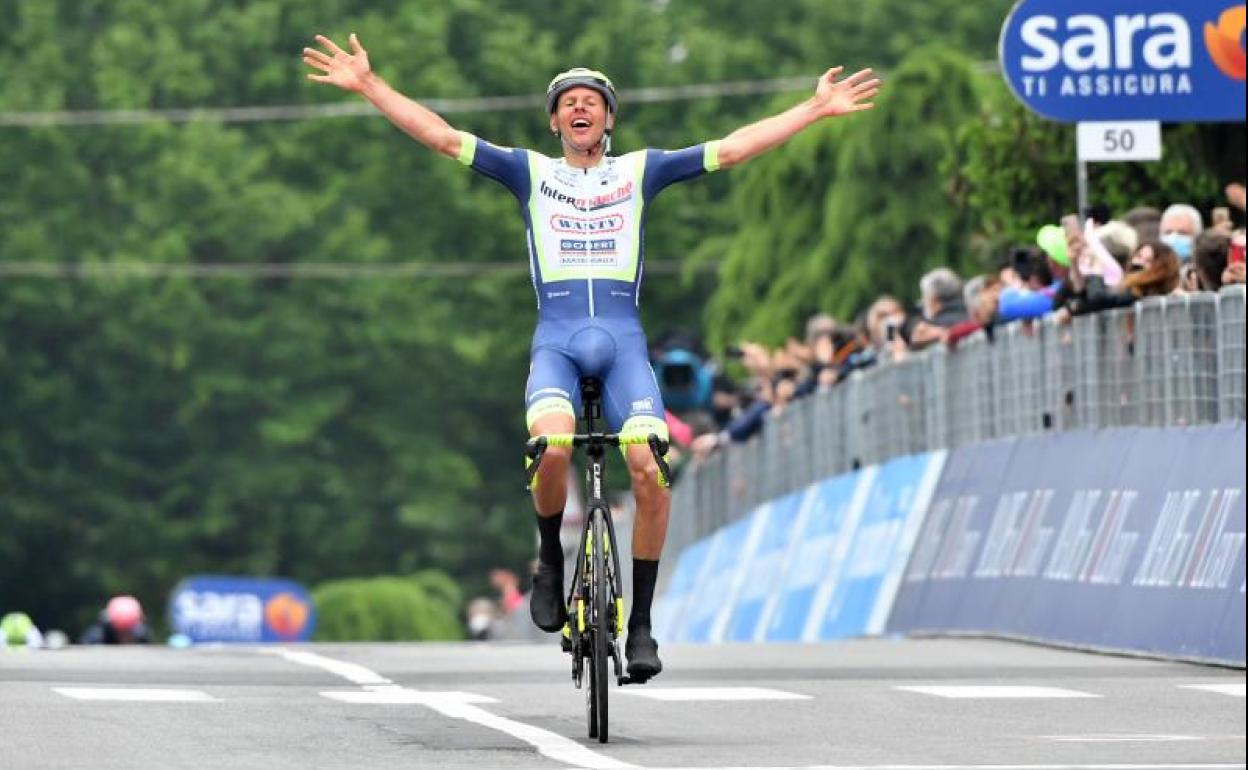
(467, 148)
(710, 155)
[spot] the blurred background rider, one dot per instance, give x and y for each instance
(121, 622)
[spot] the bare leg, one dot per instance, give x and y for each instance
(551, 492)
(654, 503)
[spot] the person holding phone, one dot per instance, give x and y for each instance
(1215, 258)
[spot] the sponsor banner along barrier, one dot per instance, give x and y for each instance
(821, 563)
(210, 608)
(1128, 539)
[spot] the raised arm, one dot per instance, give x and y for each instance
(831, 98)
(352, 72)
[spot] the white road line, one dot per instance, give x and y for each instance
(1122, 738)
(135, 694)
(713, 693)
(458, 706)
(1234, 690)
(1168, 766)
(348, 671)
(996, 691)
(401, 695)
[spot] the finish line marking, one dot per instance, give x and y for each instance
(1234, 690)
(714, 694)
(997, 691)
(134, 694)
(457, 705)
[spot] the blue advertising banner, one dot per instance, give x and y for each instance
(719, 571)
(762, 569)
(860, 599)
(209, 608)
(821, 539)
(669, 608)
(1128, 539)
(1070, 60)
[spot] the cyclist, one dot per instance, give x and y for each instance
(584, 215)
(120, 622)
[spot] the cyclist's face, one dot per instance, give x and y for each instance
(581, 117)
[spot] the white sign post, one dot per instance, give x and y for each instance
(1114, 141)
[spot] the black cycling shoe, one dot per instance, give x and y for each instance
(643, 655)
(546, 601)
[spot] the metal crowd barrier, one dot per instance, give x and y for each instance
(1176, 360)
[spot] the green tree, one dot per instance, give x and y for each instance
(851, 208)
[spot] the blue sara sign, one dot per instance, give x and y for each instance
(1164, 60)
(232, 609)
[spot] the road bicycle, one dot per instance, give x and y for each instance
(595, 599)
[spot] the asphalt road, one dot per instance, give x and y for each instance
(864, 703)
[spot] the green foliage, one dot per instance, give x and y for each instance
(1011, 199)
(421, 607)
(322, 429)
(848, 209)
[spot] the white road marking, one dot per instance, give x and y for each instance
(1168, 766)
(712, 693)
(348, 671)
(401, 695)
(1234, 690)
(1118, 766)
(1121, 738)
(135, 694)
(996, 691)
(458, 705)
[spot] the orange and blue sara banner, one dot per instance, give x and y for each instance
(212, 608)
(1163, 60)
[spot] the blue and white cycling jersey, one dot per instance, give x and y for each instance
(585, 226)
(585, 232)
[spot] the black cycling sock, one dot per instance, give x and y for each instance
(550, 550)
(645, 573)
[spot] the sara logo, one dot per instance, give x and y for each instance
(287, 615)
(1074, 61)
(215, 608)
(1225, 42)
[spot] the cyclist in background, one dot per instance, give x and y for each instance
(584, 216)
(121, 622)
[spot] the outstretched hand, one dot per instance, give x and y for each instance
(348, 71)
(852, 94)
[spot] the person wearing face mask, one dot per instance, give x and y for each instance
(1181, 223)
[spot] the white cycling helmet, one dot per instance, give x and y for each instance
(580, 76)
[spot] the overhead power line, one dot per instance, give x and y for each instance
(330, 270)
(362, 109)
(355, 109)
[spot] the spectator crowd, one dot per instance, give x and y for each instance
(1084, 265)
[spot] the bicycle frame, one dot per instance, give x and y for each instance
(595, 637)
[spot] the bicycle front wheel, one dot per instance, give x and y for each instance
(601, 625)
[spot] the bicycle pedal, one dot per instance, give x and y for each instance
(565, 644)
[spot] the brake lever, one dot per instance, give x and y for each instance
(535, 451)
(658, 448)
